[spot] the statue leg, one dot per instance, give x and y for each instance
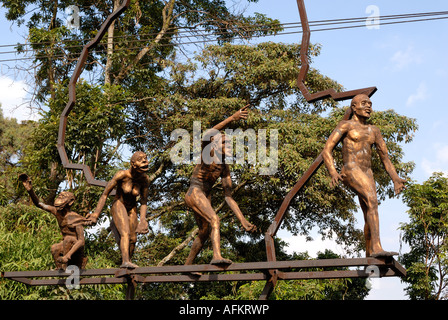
(199, 241)
(197, 200)
(57, 250)
(364, 185)
(133, 223)
(122, 224)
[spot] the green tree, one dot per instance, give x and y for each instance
(14, 139)
(426, 234)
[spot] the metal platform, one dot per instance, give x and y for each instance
(251, 271)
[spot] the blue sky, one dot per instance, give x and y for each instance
(406, 62)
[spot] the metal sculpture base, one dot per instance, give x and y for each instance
(268, 271)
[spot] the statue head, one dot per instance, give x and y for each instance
(361, 105)
(64, 200)
(139, 162)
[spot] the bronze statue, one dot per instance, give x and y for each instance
(131, 184)
(198, 195)
(70, 251)
(358, 137)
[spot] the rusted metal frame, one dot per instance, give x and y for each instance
(132, 276)
(263, 265)
(132, 280)
(329, 93)
(72, 98)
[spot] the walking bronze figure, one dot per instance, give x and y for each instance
(358, 137)
(198, 195)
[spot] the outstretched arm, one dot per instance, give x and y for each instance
(240, 114)
(93, 218)
(227, 185)
(384, 156)
(26, 181)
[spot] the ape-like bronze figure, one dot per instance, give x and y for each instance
(131, 184)
(358, 137)
(70, 251)
(198, 195)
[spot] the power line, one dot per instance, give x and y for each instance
(254, 27)
(429, 16)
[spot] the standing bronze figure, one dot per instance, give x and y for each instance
(198, 195)
(70, 251)
(131, 184)
(358, 137)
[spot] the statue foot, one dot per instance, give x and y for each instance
(384, 254)
(128, 265)
(221, 261)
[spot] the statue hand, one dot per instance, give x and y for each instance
(63, 259)
(91, 219)
(26, 181)
(249, 227)
(335, 178)
(142, 227)
(399, 185)
(241, 114)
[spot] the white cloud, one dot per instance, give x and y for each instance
(405, 58)
(439, 163)
(12, 97)
(300, 244)
(420, 95)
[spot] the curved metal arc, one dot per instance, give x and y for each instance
(329, 93)
(72, 97)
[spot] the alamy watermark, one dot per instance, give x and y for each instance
(373, 21)
(258, 153)
(72, 19)
(373, 273)
(72, 281)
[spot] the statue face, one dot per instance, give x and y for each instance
(140, 162)
(222, 145)
(362, 106)
(64, 199)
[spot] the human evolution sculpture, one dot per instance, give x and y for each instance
(199, 187)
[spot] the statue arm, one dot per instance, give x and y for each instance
(143, 224)
(240, 114)
(384, 156)
(29, 187)
(327, 153)
(80, 241)
(227, 185)
(107, 190)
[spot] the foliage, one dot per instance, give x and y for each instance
(14, 139)
(317, 289)
(426, 234)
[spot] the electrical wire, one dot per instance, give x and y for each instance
(403, 18)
